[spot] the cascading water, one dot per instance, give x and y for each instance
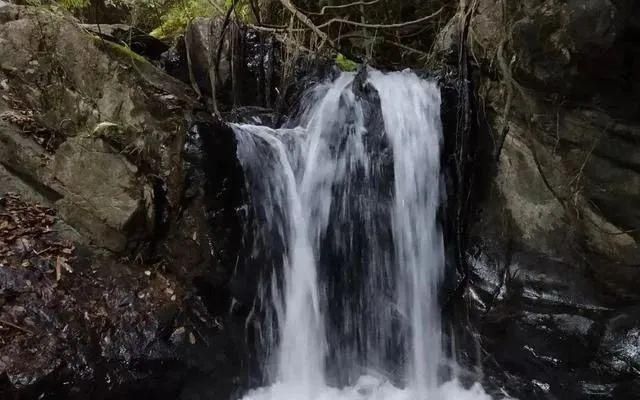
(346, 199)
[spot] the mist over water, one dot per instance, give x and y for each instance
(346, 200)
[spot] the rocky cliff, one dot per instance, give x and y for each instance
(125, 282)
(554, 253)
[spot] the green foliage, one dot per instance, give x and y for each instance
(178, 16)
(74, 4)
(345, 64)
(242, 11)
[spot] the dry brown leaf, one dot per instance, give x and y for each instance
(58, 268)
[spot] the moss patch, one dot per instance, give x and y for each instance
(121, 53)
(346, 64)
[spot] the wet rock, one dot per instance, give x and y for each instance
(546, 323)
(109, 330)
(174, 61)
(247, 67)
(202, 37)
(620, 346)
(554, 42)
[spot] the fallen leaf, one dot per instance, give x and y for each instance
(58, 268)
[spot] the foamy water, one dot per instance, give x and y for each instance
(351, 192)
(367, 388)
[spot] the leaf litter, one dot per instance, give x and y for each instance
(27, 237)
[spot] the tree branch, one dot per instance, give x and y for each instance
(379, 26)
(12, 325)
(299, 14)
(357, 3)
(192, 77)
(305, 20)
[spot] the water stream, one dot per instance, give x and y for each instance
(347, 196)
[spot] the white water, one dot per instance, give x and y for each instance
(351, 197)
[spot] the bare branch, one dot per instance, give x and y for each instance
(357, 3)
(256, 11)
(192, 77)
(18, 327)
(275, 28)
(379, 26)
(217, 7)
(305, 20)
(405, 47)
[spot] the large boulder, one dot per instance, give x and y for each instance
(202, 38)
(90, 126)
(247, 66)
(554, 245)
(579, 48)
(95, 145)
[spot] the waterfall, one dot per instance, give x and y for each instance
(346, 198)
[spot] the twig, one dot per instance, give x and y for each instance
(216, 6)
(357, 3)
(506, 72)
(37, 253)
(287, 41)
(58, 269)
(192, 77)
(256, 11)
(315, 28)
(25, 330)
(305, 20)
(576, 179)
(379, 26)
(223, 31)
(405, 47)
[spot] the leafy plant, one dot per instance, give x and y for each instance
(346, 64)
(177, 17)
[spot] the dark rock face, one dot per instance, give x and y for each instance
(577, 48)
(552, 253)
(138, 41)
(244, 62)
(547, 329)
(553, 248)
(113, 331)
